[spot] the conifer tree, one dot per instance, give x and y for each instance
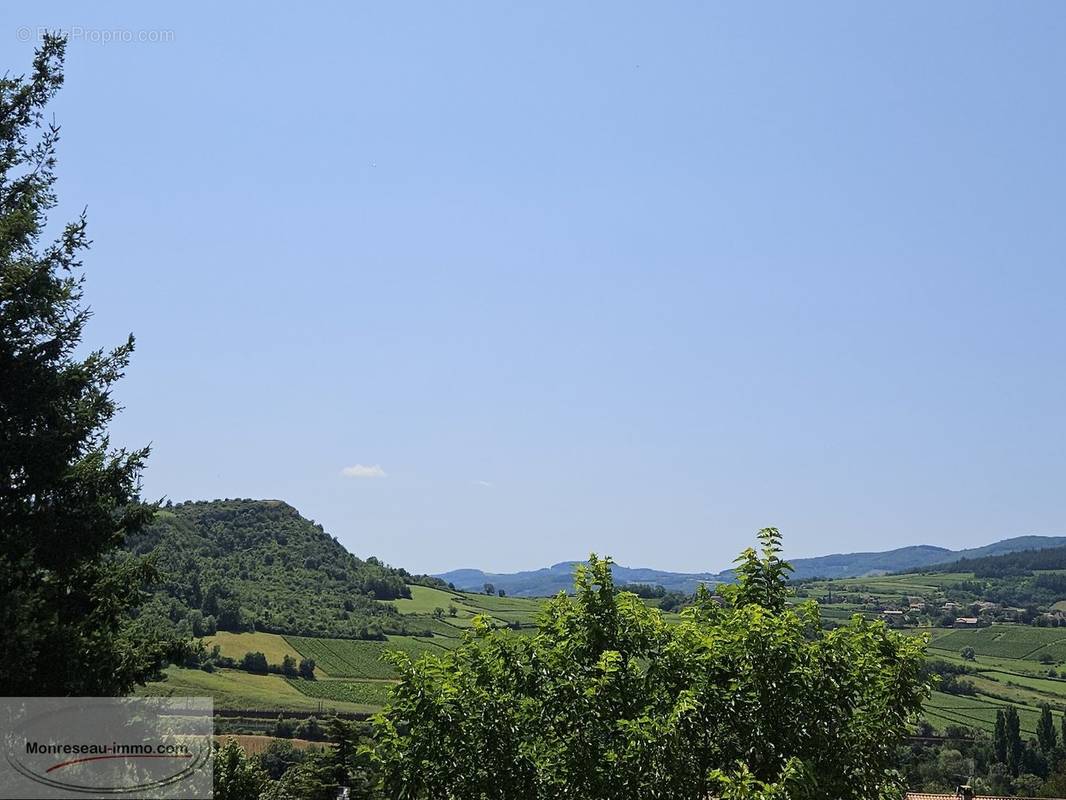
(999, 738)
(1045, 730)
(67, 498)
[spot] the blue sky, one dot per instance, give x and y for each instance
(631, 278)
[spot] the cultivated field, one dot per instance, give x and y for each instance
(243, 690)
(369, 693)
(974, 712)
(354, 658)
(1022, 642)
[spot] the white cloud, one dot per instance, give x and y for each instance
(486, 484)
(363, 471)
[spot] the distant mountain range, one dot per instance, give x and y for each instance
(551, 580)
(559, 577)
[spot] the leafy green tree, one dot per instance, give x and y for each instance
(1027, 785)
(968, 654)
(307, 668)
(1045, 730)
(236, 776)
(438, 613)
(255, 662)
(284, 728)
(311, 779)
(67, 498)
(760, 581)
(310, 729)
(230, 616)
(288, 666)
(754, 699)
(489, 588)
(278, 757)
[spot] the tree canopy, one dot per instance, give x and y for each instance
(242, 564)
(751, 698)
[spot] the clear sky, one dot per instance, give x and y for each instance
(496, 284)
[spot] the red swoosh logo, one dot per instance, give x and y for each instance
(101, 758)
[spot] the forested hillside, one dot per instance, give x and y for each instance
(1010, 564)
(241, 565)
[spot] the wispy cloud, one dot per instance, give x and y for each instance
(363, 471)
(486, 484)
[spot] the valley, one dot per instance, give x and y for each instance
(287, 590)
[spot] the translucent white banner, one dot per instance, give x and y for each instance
(143, 747)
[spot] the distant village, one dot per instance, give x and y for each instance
(914, 611)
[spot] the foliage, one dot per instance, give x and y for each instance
(948, 677)
(284, 728)
(752, 700)
(67, 498)
(255, 662)
(278, 757)
(310, 729)
(644, 590)
(1022, 562)
(236, 776)
(1009, 745)
(1045, 730)
(1005, 765)
(259, 565)
(759, 580)
(310, 779)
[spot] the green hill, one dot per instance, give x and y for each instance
(242, 565)
(1009, 564)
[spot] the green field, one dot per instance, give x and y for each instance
(354, 658)
(974, 712)
(1016, 666)
(425, 598)
(243, 690)
(1007, 641)
(235, 645)
(418, 611)
(367, 693)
